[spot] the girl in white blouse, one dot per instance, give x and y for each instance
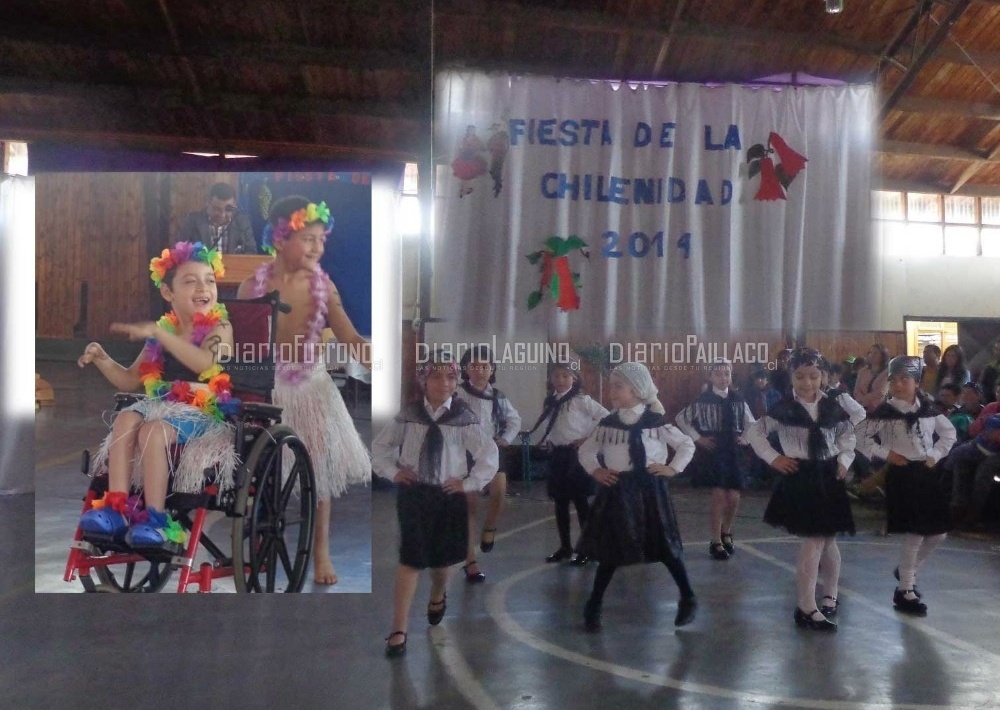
(810, 500)
(499, 421)
(902, 432)
(633, 519)
(424, 451)
(569, 416)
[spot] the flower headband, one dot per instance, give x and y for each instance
(183, 252)
(299, 219)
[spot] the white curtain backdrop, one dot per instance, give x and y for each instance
(17, 350)
(630, 170)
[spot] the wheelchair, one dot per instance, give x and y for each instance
(270, 505)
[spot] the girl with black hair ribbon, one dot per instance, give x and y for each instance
(912, 438)
(569, 417)
(810, 499)
(499, 421)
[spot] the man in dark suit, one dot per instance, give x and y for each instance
(220, 224)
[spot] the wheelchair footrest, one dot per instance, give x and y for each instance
(94, 544)
(189, 501)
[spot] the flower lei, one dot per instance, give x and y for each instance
(182, 252)
(317, 288)
(217, 401)
(299, 219)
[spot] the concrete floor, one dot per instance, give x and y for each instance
(517, 641)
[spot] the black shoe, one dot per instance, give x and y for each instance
(579, 560)
(473, 577)
(687, 609)
(592, 615)
(718, 551)
(806, 621)
(727, 543)
(487, 545)
(829, 606)
(435, 611)
(913, 607)
(393, 650)
(563, 553)
(895, 573)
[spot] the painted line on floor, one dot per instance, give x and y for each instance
(497, 609)
(454, 663)
(885, 610)
(496, 605)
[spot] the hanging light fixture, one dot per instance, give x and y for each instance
(834, 6)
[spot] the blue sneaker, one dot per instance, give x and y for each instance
(104, 522)
(108, 518)
(159, 531)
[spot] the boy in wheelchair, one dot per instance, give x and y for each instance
(187, 398)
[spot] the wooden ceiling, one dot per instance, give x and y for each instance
(352, 78)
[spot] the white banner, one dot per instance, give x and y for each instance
(590, 208)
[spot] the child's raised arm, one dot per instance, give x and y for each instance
(125, 379)
(196, 358)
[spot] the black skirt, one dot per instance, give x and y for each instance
(433, 526)
(723, 467)
(567, 478)
(632, 522)
(811, 501)
(917, 499)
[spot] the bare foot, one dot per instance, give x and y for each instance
(323, 571)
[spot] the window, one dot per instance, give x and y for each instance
(959, 209)
(926, 224)
(410, 222)
(961, 241)
(923, 208)
(13, 158)
(991, 241)
(888, 205)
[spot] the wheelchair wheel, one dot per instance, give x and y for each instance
(273, 533)
(136, 577)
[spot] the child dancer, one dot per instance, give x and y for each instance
(633, 519)
(424, 450)
(501, 422)
(570, 416)
(187, 395)
(311, 402)
(716, 421)
(916, 500)
(810, 500)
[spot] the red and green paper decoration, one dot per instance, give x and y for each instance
(558, 279)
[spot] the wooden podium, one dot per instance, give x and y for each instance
(240, 266)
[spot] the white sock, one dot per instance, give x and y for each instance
(829, 565)
(930, 543)
(806, 571)
(908, 560)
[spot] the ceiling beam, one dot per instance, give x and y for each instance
(30, 131)
(949, 107)
(15, 38)
(929, 150)
(894, 185)
(219, 102)
(926, 52)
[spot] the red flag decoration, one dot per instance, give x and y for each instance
(557, 277)
(791, 162)
(770, 188)
(774, 179)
